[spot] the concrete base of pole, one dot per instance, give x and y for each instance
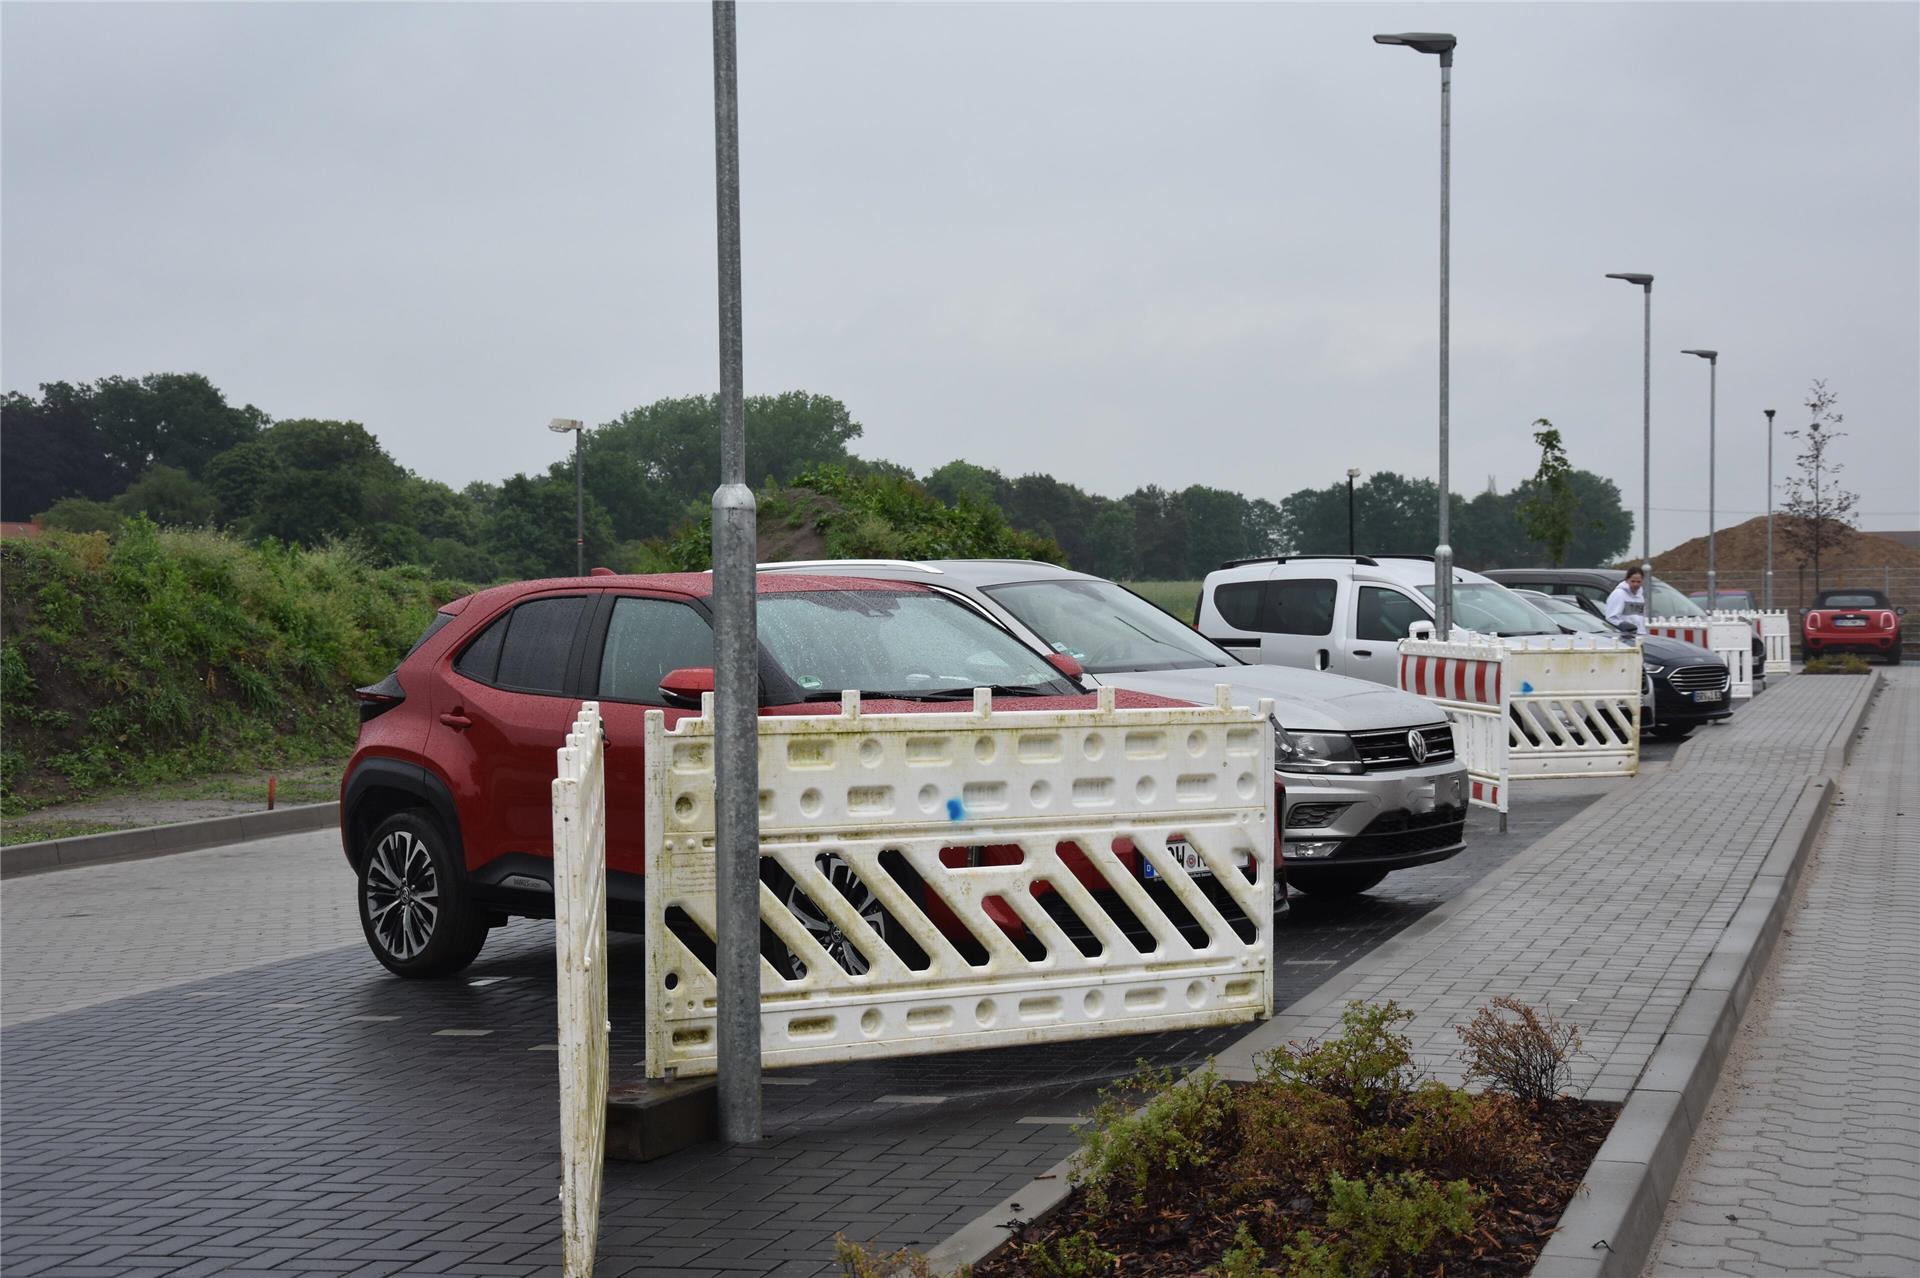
(650, 1120)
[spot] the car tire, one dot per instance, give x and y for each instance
(845, 951)
(1894, 656)
(1336, 882)
(414, 907)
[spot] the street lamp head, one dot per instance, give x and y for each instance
(1633, 277)
(561, 425)
(1352, 473)
(1439, 42)
(1769, 413)
(1710, 356)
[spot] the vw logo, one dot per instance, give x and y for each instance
(1417, 746)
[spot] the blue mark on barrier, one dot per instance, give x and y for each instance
(1525, 687)
(956, 810)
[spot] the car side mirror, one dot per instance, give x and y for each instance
(1900, 612)
(1065, 665)
(1805, 611)
(683, 687)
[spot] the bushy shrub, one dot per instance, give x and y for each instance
(1518, 1050)
(1245, 1259)
(1454, 1133)
(1384, 1224)
(1127, 1148)
(1369, 1062)
(1291, 1138)
(1075, 1255)
(1838, 663)
(858, 1260)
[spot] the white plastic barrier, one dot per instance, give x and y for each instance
(1775, 632)
(844, 797)
(1532, 707)
(1728, 638)
(580, 932)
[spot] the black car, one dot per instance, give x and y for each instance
(1690, 685)
(1589, 587)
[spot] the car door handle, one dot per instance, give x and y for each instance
(1363, 652)
(457, 721)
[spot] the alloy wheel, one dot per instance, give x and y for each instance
(825, 932)
(403, 894)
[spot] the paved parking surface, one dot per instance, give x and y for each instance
(206, 1073)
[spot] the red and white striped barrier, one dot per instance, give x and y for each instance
(1725, 635)
(1533, 707)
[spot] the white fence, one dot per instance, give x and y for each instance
(1728, 637)
(580, 930)
(1775, 631)
(1532, 707)
(941, 881)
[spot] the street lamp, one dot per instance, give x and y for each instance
(1440, 43)
(560, 426)
(1645, 282)
(1767, 587)
(1713, 378)
(1352, 475)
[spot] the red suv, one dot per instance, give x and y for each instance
(446, 809)
(1851, 620)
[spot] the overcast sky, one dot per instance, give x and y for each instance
(1135, 244)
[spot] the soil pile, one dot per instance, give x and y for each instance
(1743, 548)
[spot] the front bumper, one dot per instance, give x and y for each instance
(1387, 819)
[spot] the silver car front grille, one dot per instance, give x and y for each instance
(1699, 679)
(1392, 749)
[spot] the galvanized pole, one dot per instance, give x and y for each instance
(1646, 448)
(736, 668)
(1767, 586)
(579, 511)
(1443, 553)
(1713, 396)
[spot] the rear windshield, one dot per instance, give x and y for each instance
(1852, 599)
(1494, 610)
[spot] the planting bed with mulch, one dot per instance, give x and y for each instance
(1338, 1160)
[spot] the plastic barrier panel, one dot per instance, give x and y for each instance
(1532, 707)
(580, 934)
(1727, 637)
(1467, 681)
(935, 882)
(1775, 633)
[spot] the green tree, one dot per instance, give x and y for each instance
(1819, 512)
(529, 524)
(80, 515)
(1219, 527)
(50, 449)
(169, 497)
(962, 481)
(1111, 543)
(168, 419)
(1550, 510)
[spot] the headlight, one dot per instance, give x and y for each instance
(1314, 751)
(1653, 669)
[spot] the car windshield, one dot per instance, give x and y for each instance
(1494, 610)
(901, 644)
(1856, 600)
(1668, 602)
(1106, 628)
(1725, 598)
(1569, 615)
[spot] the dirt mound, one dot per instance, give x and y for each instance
(790, 528)
(1743, 548)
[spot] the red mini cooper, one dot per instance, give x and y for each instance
(1852, 620)
(446, 809)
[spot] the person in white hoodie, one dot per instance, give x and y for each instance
(1628, 602)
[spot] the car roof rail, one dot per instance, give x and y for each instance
(1281, 559)
(1427, 559)
(848, 563)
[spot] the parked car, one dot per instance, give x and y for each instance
(1689, 683)
(1372, 784)
(1850, 619)
(1591, 586)
(1724, 600)
(446, 813)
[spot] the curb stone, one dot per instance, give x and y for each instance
(164, 840)
(1609, 1227)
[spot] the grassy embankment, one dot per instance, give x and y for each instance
(171, 661)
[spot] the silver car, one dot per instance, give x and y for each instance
(1372, 784)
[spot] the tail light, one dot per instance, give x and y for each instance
(377, 698)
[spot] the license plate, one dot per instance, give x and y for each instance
(1850, 621)
(1189, 858)
(1715, 695)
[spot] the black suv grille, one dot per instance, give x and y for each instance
(1390, 749)
(1699, 678)
(1406, 833)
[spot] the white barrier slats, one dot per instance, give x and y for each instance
(1776, 631)
(889, 826)
(580, 931)
(1532, 707)
(1466, 680)
(1728, 637)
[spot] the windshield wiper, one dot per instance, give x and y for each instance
(966, 694)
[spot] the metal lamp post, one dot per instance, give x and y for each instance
(1713, 379)
(1645, 282)
(1351, 476)
(1767, 584)
(736, 849)
(560, 426)
(1440, 43)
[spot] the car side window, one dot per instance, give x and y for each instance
(1299, 607)
(1239, 603)
(481, 661)
(1384, 615)
(646, 639)
(1592, 594)
(535, 642)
